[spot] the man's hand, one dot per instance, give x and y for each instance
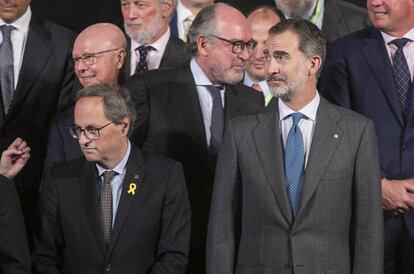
(398, 195)
(14, 158)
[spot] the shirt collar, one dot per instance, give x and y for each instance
(182, 12)
(158, 45)
(120, 168)
(309, 110)
(200, 78)
(388, 38)
(22, 23)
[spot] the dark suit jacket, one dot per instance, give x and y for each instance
(341, 18)
(43, 87)
(358, 75)
(338, 228)
(175, 53)
(170, 122)
(14, 252)
(151, 233)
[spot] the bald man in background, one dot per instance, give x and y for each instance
(260, 20)
(98, 54)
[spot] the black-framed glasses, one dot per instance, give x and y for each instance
(89, 59)
(91, 133)
(238, 46)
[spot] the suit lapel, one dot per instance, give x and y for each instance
(132, 183)
(326, 138)
(89, 191)
(377, 58)
(265, 135)
(171, 56)
(36, 55)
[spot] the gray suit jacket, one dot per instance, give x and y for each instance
(339, 226)
(341, 18)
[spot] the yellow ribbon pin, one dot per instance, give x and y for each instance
(132, 188)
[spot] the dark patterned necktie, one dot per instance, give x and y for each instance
(142, 63)
(6, 67)
(402, 75)
(294, 163)
(217, 119)
(106, 205)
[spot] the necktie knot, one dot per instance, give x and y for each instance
(296, 116)
(400, 42)
(257, 87)
(108, 176)
(143, 50)
(6, 30)
(215, 91)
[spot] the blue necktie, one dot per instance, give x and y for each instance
(142, 63)
(294, 163)
(402, 75)
(6, 67)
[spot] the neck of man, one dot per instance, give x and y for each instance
(301, 98)
(116, 157)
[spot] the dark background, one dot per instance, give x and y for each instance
(78, 14)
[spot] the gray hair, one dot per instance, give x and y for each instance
(203, 25)
(311, 39)
(116, 100)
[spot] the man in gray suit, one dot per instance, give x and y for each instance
(297, 187)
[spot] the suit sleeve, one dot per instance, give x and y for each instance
(140, 97)
(48, 239)
(14, 251)
(368, 223)
(334, 83)
(174, 242)
(224, 222)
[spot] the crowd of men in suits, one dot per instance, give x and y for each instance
(199, 140)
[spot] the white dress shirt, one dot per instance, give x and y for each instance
(307, 126)
(182, 15)
(204, 96)
(154, 56)
(408, 49)
(117, 181)
(18, 38)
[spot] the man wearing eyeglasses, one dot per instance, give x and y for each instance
(113, 210)
(181, 112)
(98, 55)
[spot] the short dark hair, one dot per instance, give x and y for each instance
(270, 8)
(116, 100)
(311, 40)
(204, 24)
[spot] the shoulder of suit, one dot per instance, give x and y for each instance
(56, 32)
(68, 169)
(344, 114)
(352, 40)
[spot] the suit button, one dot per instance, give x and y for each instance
(108, 267)
(287, 266)
(403, 147)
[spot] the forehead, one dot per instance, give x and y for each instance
(89, 110)
(287, 41)
(90, 42)
(234, 27)
(152, 2)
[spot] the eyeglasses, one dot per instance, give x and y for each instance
(91, 133)
(239, 45)
(90, 58)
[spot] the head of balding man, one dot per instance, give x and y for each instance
(260, 21)
(98, 54)
(296, 8)
(220, 39)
